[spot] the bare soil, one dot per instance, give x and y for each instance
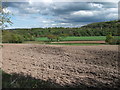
(81, 42)
(95, 66)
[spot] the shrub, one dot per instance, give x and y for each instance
(109, 39)
(16, 39)
(115, 40)
(53, 37)
(12, 38)
(112, 40)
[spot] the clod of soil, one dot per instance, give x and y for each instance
(74, 66)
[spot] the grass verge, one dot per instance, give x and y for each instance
(72, 38)
(79, 44)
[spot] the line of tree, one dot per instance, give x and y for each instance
(95, 29)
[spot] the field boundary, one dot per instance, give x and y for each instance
(102, 42)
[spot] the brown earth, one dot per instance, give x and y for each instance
(66, 65)
(80, 42)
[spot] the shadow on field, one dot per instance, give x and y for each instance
(25, 81)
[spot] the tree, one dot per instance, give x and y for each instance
(9, 37)
(4, 19)
(62, 36)
(109, 38)
(52, 37)
(4, 16)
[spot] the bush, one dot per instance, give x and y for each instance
(115, 41)
(109, 39)
(112, 40)
(16, 39)
(53, 37)
(12, 38)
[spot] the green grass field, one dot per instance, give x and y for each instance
(85, 38)
(76, 44)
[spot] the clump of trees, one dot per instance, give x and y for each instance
(112, 40)
(109, 39)
(28, 37)
(53, 37)
(9, 37)
(56, 37)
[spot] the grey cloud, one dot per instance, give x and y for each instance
(108, 4)
(62, 12)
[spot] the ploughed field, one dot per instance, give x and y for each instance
(67, 66)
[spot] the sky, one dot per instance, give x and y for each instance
(47, 13)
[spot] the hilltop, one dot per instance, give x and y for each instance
(107, 24)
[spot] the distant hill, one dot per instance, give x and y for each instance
(108, 24)
(104, 28)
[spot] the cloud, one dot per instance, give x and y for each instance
(64, 13)
(83, 13)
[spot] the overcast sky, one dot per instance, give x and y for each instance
(47, 13)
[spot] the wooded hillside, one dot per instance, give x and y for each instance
(94, 29)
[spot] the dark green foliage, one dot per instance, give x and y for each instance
(109, 39)
(53, 37)
(112, 40)
(12, 37)
(9, 37)
(116, 40)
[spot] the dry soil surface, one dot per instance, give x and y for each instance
(81, 42)
(66, 65)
